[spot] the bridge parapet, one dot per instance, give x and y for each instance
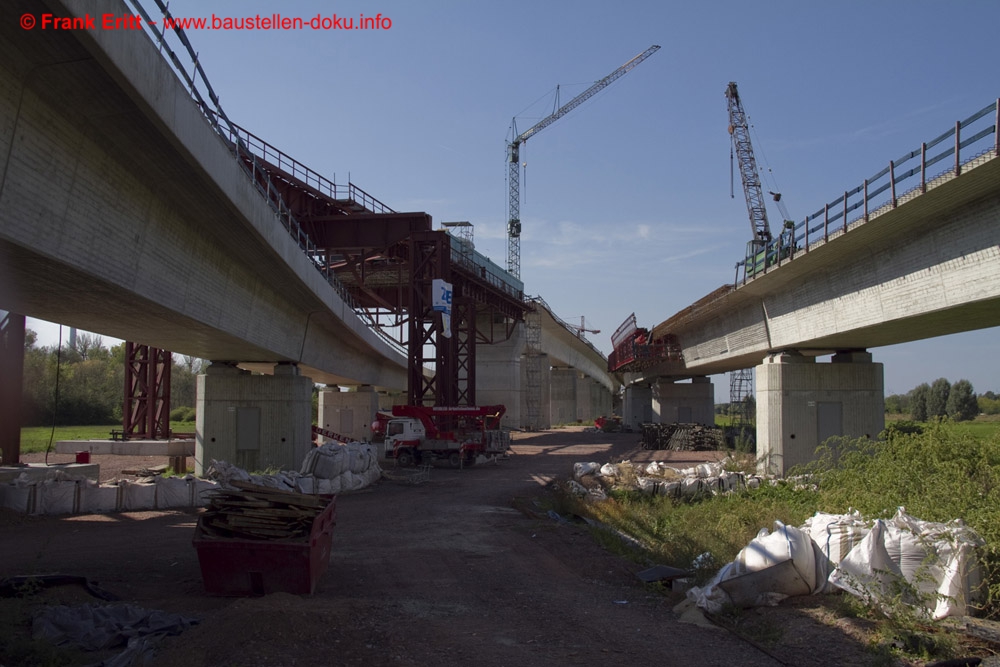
(967, 144)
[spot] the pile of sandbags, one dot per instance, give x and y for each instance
(933, 567)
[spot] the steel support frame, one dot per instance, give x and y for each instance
(11, 385)
(146, 413)
(430, 258)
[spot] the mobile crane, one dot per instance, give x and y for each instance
(757, 248)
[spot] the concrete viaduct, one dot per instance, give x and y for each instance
(923, 264)
(123, 212)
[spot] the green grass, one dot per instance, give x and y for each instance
(949, 471)
(36, 438)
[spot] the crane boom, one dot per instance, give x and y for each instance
(514, 156)
(740, 132)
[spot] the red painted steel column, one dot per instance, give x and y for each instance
(146, 410)
(11, 385)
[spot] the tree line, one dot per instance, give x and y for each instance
(940, 399)
(91, 382)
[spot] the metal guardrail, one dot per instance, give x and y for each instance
(200, 88)
(570, 328)
(882, 191)
(289, 165)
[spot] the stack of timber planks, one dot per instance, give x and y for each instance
(257, 512)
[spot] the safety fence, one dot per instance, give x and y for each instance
(969, 142)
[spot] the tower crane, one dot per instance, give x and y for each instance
(514, 156)
(582, 328)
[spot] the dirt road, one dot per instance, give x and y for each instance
(448, 572)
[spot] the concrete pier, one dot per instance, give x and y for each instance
(801, 403)
(253, 421)
(684, 402)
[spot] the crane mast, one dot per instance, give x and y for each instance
(514, 156)
(739, 130)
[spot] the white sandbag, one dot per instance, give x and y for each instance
(138, 496)
(783, 564)
(609, 470)
(306, 484)
(691, 487)
(95, 498)
(671, 489)
(351, 482)
(327, 486)
(939, 562)
(326, 462)
(56, 497)
(19, 497)
(576, 488)
(649, 485)
(834, 536)
(730, 481)
(201, 491)
(173, 492)
(584, 469)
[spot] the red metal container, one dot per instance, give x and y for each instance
(83, 457)
(242, 567)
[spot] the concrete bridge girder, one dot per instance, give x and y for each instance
(929, 267)
(207, 269)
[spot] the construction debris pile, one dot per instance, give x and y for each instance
(592, 479)
(254, 512)
(678, 436)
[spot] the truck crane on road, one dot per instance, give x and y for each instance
(514, 156)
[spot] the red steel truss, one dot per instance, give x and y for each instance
(147, 392)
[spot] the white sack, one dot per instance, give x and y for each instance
(938, 561)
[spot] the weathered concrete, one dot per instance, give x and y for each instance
(562, 393)
(128, 447)
(253, 421)
(801, 403)
(542, 391)
(349, 413)
(103, 150)
(637, 407)
(928, 268)
(36, 472)
(499, 374)
(684, 402)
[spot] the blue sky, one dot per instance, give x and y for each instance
(626, 201)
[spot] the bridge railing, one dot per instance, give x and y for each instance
(289, 165)
(204, 95)
(569, 327)
(964, 145)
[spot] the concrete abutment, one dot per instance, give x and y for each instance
(801, 403)
(253, 421)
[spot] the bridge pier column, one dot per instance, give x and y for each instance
(683, 402)
(637, 408)
(253, 421)
(12, 332)
(349, 413)
(584, 400)
(801, 403)
(562, 395)
(539, 393)
(498, 374)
